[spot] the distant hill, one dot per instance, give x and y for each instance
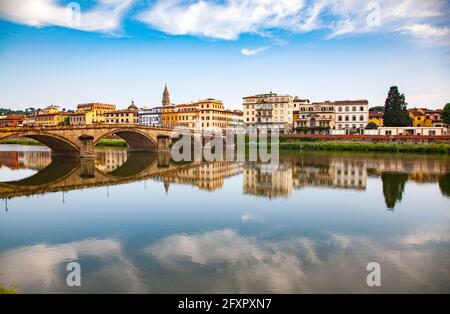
(6, 111)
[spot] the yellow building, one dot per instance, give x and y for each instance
(376, 117)
(95, 112)
(422, 117)
(50, 109)
(418, 118)
(125, 116)
(313, 115)
(54, 118)
(80, 118)
(208, 113)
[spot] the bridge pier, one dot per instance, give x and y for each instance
(87, 169)
(163, 142)
(87, 146)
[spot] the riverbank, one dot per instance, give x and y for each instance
(111, 143)
(368, 147)
(299, 145)
(4, 290)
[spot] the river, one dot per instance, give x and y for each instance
(141, 223)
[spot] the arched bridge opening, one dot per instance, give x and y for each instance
(58, 145)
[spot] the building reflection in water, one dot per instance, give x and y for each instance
(268, 180)
(108, 160)
(294, 171)
(35, 159)
(208, 176)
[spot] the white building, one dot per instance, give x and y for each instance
(351, 114)
(150, 117)
(411, 131)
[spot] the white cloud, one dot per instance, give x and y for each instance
(104, 17)
(41, 267)
(425, 30)
(252, 52)
(221, 20)
(231, 18)
(251, 218)
(335, 263)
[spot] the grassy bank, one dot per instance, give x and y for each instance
(369, 147)
(20, 142)
(4, 290)
(112, 143)
(308, 144)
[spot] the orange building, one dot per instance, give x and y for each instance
(208, 113)
(12, 120)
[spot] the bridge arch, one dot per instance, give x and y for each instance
(136, 140)
(58, 144)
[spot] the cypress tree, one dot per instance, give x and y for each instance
(395, 112)
(446, 114)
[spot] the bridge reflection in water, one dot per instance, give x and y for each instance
(295, 171)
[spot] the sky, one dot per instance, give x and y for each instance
(115, 51)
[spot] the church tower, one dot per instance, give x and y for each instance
(166, 98)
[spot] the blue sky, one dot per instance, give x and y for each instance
(120, 50)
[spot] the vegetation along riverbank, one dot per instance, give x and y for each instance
(305, 144)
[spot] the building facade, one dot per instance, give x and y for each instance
(204, 114)
(314, 116)
(12, 120)
(377, 118)
(422, 117)
(150, 117)
(209, 113)
(270, 110)
(95, 113)
(351, 114)
(412, 131)
(124, 116)
(79, 118)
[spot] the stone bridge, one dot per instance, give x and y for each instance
(64, 174)
(80, 141)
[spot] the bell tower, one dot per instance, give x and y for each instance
(166, 98)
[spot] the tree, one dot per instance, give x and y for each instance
(66, 121)
(446, 114)
(371, 126)
(393, 187)
(444, 184)
(395, 112)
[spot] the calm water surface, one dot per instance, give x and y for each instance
(142, 223)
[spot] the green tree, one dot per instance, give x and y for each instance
(395, 112)
(371, 126)
(444, 184)
(65, 122)
(446, 113)
(393, 186)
